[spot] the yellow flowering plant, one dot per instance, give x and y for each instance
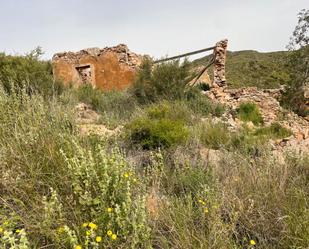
(102, 190)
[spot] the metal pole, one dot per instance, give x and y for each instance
(184, 55)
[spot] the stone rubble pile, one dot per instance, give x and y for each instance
(265, 99)
(271, 111)
(124, 55)
(85, 114)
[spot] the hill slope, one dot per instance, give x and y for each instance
(252, 68)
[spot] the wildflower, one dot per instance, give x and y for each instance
(88, 233)
(85, 224)
(1, 230)
(109, 210)
(60, 230)
(126, 175)
(114, 237)
(109, 233)
(206, 211)
(134, 180)
(98, 239)
(252, 242)
(93, 226)
(78, 247)
(202, 202)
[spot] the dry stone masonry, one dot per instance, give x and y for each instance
(219, 63)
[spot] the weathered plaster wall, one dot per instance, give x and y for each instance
(111, 68)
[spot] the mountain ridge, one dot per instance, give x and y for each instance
(250, 68)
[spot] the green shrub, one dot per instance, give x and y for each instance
(293, 97)
(202, 105)
(275, 130)
(50, 184)
(250, 112)
(165, 81)
(176, 110)
(106, 194)
(161, 126)
(169, 81)
(204, 86)
(30, 73)
(217, 136)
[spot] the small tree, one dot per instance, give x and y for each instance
(298, 62)
(300, 37)
(166, 81)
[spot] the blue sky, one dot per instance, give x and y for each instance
(154, 27)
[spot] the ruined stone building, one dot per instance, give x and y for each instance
(107, 68)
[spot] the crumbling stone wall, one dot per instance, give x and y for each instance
(108, 68)
(271, 111)
(219, 63)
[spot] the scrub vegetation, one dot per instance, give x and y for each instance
(151, 185)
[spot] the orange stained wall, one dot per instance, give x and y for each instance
(107, 72)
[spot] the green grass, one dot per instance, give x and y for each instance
(275, 130)
(250, 112)
(203, 106)
(163, 125)
(214, 136)
(114, 107)
(250, 142)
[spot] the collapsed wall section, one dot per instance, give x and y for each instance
(110, 68)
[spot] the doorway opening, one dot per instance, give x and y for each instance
(85, 74)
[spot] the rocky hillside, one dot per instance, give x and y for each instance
(252, 68)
